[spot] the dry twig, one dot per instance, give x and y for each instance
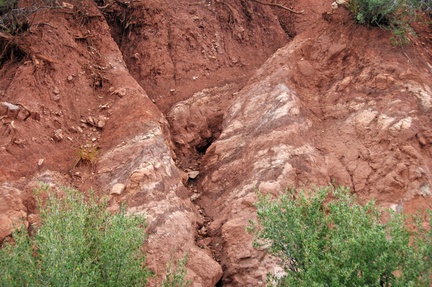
(280, 6)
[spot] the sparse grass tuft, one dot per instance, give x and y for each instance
(87, 154)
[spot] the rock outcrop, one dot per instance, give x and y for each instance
(324, 109)
(82, 114)
(137, 167)
(162, 105)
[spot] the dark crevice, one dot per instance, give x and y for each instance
(204, 145)
(10, 51)
(120, 19)
(124, 28)
(219, 283)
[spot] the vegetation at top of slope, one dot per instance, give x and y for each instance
(395, 15)
(327, 238)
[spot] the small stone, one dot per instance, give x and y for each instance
(203, 231)
(33, 218)
(79, 129)
(205, 242)
(94, 139)
(56, 90)
(104, 106)
(121, 92)
(68, 5)
(193, 174)
(195, 197)
(421, 139)
(70, 139)
(58, 135)
(399, 208)
(100, 123)
(10, 106)
(91, 121)
(69, 78)
(425, 190)
(56, 98)
(40, 161)
(118, 188)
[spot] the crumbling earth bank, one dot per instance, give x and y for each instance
(167, 105)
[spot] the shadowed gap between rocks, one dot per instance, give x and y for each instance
(190, 155)
(196, 120)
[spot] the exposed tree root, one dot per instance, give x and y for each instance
(280, 6)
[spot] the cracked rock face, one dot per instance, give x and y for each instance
(328, 107)
(137, 167)
(300, 122)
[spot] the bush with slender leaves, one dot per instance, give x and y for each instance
(327, 238)
(395, 15)
(78, 244)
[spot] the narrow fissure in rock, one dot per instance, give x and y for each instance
(193, 75)
(204, 238)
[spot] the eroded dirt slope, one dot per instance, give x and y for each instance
(177, 48)
(75, 97)
(182, 108)
(72, 114)
(330, 107)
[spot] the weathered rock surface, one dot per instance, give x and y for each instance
(99, 107)
(338, 104)
(196, 122)
(323, 109)
(139, 169)
(18, 204)
(12, 210)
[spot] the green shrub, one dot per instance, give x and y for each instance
(78, 244)
(395, 15)
(376, 12)
(329, 239)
